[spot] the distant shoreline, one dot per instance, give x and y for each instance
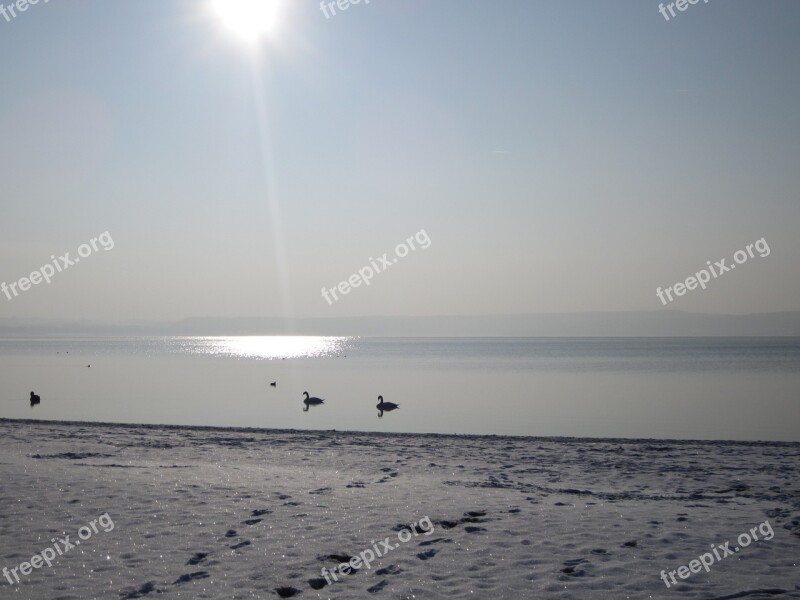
(655, 323)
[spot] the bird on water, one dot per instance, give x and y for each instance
(385, 406)
(312, 401)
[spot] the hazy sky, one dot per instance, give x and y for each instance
(561, 156)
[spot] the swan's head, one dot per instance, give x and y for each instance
(380, 398)
(306, 393)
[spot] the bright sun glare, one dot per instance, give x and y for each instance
(248, 19)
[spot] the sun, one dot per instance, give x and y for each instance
(248, 19)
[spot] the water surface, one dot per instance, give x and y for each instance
(688, 388)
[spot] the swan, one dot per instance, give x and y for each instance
(274, 384)
(385, 406)
(311, 401)
(35, 399)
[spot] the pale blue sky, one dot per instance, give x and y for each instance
(632, 151)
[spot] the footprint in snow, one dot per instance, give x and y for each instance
(286, 592)
(436, 541)
(191, 577)
(575, 561)
(569, 567)
(148, 587)
(339, 558)
(318, 583)
(378, 586)
(390, 570)
(197, 558)
(474, 520)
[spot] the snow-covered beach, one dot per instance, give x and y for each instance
(421, 302)
(246, 513)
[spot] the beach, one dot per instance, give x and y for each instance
(428, 301)
(255, 513)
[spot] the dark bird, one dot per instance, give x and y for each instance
(274, 384)
(311, 401)
(385, 406)
(35, 400)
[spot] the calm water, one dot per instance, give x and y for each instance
(698, 388)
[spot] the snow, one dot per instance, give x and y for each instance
(245, 513)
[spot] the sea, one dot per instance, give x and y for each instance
(667, 388)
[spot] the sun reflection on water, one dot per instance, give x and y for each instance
(273, 347)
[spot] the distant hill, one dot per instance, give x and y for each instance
(665, 323)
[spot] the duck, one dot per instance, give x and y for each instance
(385, 406)
(274, 384)
(35, 399)
(312, 401)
